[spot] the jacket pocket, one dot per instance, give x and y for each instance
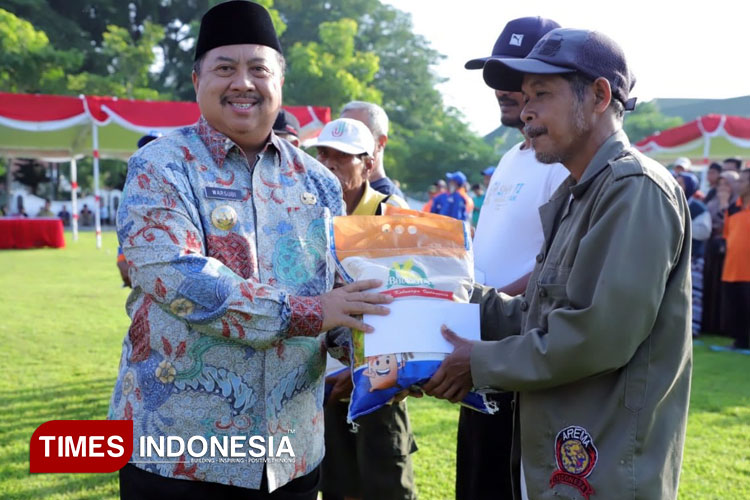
(636, 377)
(551, 293)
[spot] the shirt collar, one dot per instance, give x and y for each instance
(608, 151)
(275, 141)
(369, 202)
(219, 144)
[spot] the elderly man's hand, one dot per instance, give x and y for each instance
(452, 380)
(341, 305)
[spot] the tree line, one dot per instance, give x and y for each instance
(336, 51)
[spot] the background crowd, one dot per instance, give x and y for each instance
(715, 194)
(720, 251)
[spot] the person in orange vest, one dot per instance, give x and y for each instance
(736, 275)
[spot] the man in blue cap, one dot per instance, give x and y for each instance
(599, 348)
(223, 224)
(456, 202)
(487, 176)
(507, 240)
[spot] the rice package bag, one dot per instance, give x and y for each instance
(419, 257)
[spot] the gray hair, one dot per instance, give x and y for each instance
(578, 84)
(377, 119)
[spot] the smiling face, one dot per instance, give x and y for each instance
(382, 371)
(555, 117)
(238, 90)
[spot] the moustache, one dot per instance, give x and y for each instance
(243, 95)
(532, 131)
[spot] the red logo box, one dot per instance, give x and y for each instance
(81, 446)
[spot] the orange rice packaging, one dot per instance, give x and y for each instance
(415, 255)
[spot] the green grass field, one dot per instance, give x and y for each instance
(62, 320)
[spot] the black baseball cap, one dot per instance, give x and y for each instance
(517, 39)
(566, 50)
(286, 123)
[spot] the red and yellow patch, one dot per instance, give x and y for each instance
(576, 458)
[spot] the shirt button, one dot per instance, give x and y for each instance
(542, 293)
(540, 257)
(524, 306)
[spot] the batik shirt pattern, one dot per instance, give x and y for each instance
(227, 258)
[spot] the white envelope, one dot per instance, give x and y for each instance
(414, 326)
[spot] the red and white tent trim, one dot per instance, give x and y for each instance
(697, 135)
(40, 114)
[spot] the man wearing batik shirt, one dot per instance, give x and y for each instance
(223, 224)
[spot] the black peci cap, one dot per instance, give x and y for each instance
(236, 22)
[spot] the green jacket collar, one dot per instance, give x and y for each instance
(611, 149)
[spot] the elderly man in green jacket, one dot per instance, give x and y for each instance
(598, 349)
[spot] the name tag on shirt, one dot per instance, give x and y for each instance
(223, 193)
